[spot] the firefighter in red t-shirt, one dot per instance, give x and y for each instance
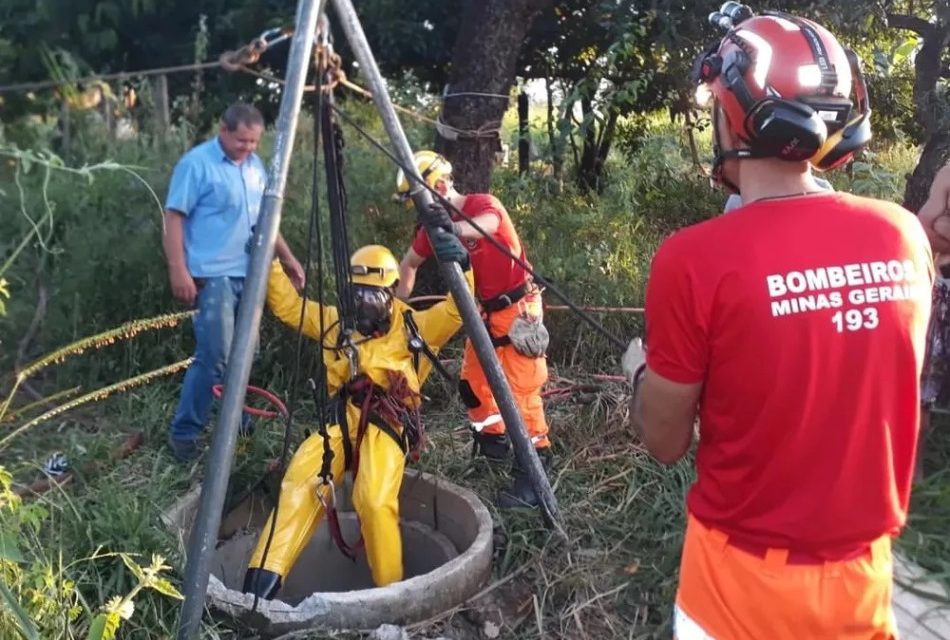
(511, 308)
(794, 329)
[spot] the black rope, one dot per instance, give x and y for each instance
(336, 197)
(411, 175)
(313, 234)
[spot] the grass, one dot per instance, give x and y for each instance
(624, 514)
(615, 578)
(925, 541)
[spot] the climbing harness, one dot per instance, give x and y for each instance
(380, 408)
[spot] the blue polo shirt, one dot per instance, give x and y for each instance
(221, 201)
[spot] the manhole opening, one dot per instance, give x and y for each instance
(322, 567)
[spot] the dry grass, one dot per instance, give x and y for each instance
(615, 578)
(623, 513)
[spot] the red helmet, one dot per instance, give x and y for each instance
(789, 90)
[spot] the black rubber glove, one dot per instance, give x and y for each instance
(436, 217)
(448, 248)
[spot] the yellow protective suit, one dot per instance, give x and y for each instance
(381, 460)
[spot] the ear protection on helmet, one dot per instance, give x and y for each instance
(785, 129)
(853, 136)
(794, 128)
(774, 127)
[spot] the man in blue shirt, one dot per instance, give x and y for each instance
(213, 203)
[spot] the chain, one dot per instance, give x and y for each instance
(250, 54)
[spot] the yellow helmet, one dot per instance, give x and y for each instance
(431, 166)
(374, 265)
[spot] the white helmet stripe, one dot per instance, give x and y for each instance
(763, 55)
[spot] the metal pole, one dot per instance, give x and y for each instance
(204, 535)
(524, 452)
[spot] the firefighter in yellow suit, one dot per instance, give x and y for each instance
(385, 359)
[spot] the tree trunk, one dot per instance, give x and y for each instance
(162, 117)
(597, 145)
(935, 154)
(484, 61)
(691, 138)
(554, 141)
(929, 110)
(586, 172)
(603, 147)
(524, 141)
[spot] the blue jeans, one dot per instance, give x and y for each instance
(217, 305)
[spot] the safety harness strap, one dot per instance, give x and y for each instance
(336, 532)
(418, 347)
(365, 394)
(506, 299)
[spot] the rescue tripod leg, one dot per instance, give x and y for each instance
(299, 511)
(452, 273)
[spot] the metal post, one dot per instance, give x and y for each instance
(204, 535)
(524, 452)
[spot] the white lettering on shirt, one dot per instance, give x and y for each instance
(863, 286)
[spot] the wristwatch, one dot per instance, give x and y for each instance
(638, 376)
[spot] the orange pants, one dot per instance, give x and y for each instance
(525, 376)
(729, 594)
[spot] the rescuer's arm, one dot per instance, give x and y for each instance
(663, 413)
(286, 303)
(934, 215)
(487, 222)
(669, 382)
(407, 273)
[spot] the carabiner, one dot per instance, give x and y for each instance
(271, 37)
(353, 355)
(328, 481)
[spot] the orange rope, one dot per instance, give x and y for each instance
(547, 307)
(597, 309)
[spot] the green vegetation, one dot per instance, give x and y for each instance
(94, 259)
(86, 313)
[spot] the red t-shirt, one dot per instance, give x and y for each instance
(495, 273)
(805, 320)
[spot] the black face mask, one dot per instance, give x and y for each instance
(373, 307)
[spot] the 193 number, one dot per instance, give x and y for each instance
(855, 319)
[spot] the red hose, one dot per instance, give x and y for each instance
(218, 389)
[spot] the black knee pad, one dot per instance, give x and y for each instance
(468, 395)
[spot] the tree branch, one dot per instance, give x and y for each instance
(912, 23)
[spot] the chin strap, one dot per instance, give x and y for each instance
(719, 159)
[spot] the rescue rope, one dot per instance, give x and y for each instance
(411, 174)
(548, 307)
(319, 388)
(120, 75)
(554, 307)
(242, 59)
